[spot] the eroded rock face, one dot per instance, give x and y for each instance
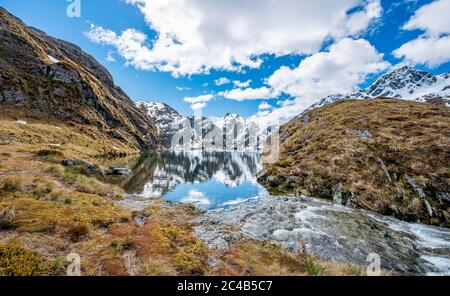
(13, 95)
(52, 78)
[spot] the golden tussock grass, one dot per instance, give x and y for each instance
(329, 154)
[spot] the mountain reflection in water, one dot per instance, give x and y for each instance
(207, 179)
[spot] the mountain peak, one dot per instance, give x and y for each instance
(404, 82)
(56, 80)
(400, 83)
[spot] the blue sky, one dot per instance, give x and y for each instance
(147, 73)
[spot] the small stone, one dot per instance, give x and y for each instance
(69, 162)
(363, 134)
(13, 95)
(59, 92)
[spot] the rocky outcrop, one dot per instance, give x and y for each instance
(51, 79)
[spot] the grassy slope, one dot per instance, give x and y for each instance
(324, 156)
(48, 211)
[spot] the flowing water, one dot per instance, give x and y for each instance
(224, 184)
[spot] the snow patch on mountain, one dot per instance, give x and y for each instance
(163, 115)
(405, 83)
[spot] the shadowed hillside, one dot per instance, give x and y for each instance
(48, 79)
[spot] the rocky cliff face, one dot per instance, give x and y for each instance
(46, 78)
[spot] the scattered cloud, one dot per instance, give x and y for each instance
(242, 84)
(264, 106)
(195, 36)
(198, 106)
(222, 81)
(199, 102)
(239, 94)
(110, 58)
(432, 48)
(183, 88)
(340, 69)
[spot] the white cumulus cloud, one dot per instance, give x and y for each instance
(340, 69)
(222, 81)
(264, 106)
(432, 48)
(195, 36)
(199, 102)
(239, 94)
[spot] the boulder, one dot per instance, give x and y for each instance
(84, 168)
(120, 171)
(92, 170)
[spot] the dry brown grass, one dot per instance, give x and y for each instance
(323, 157)
(266, 259)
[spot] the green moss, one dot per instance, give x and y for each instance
(16, 260)
(312, 267)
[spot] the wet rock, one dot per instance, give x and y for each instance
(429, 209)
(262, 176)
(84, 168)
(69, 162)
(415, 187)
(329, 231)
(92, 170)
(275, 181)
(120, 171)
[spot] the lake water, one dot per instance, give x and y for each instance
(224, 184)
(209, 180)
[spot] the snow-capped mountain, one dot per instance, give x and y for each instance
(161, 113)
(402, 83)
(231, 132)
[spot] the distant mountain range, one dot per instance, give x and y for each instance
(230, 132)
(401, 83)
